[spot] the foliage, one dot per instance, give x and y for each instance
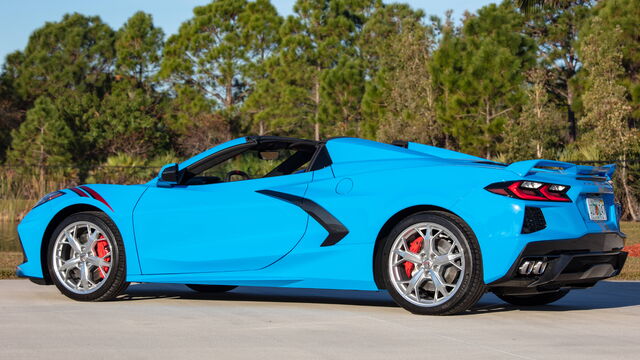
(479, 71)
(539, 130)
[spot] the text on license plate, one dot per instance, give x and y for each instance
(597, 212)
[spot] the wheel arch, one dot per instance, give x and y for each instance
(386, 228)
(53, 223)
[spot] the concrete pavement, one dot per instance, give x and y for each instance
(170, 321)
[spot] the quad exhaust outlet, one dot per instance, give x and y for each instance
(532, 267)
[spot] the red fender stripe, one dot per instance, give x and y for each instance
(79, 192)
(95, 195)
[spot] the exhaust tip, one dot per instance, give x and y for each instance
(529, 267)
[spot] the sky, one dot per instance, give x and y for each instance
(19, 18)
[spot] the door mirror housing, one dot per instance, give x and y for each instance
(169, 175)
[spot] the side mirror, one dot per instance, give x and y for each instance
(169, 174)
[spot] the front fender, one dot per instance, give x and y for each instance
(116, 201)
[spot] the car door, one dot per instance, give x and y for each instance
(226, 226)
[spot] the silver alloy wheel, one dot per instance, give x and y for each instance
(431, 275)
(82, 257)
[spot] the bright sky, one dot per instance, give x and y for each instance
(19, 18)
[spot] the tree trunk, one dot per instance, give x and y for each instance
(571, 116)
(317, 101)
(627, 191)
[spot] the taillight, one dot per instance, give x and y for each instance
(531, 190)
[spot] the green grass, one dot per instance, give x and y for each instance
(8, 263)
(631, 270)
(13, 210)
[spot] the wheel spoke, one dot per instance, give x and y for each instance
(409, 256)
(71, 263)
(440, 285)
(446, 259)
(84, 276)
(99, 262)
(92, 237)
(71, 240)
(414, 282)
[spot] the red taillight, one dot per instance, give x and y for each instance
(531, 190)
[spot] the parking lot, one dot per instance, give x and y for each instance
(170, 321)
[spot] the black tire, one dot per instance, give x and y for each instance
(211, 289)
(533, 300)
(470, 289)
(115, 281)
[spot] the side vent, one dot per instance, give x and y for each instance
(533, 220)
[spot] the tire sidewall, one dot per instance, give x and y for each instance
(117, 271)
(473, 262)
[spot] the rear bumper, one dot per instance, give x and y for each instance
(572, 263)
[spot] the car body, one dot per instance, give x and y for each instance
(323, 226)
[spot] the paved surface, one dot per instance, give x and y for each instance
(170, 321)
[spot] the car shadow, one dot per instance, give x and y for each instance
(605, 295)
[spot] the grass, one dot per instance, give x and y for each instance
(631, 270)
(8, 263)
(13, 210)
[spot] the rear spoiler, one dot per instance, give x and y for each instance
(524, 168)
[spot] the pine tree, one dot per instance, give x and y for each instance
(131, 115)
(607, 109)
(621, 17)
(479, 74)
(400, 99)
(75, 54)
(556, 31)
(540, 130)
(12, 108)
(139, 49)
(44, 138)
(218, 54)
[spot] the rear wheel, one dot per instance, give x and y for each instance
(86, 258)
(534, 300)
(431, 264)
(211, 288)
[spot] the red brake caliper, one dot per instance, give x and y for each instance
(415, 246)
(102, 249)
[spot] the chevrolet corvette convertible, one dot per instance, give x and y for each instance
(433, 227)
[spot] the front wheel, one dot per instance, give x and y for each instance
(86, 258)
(431, 264)
(535, 299)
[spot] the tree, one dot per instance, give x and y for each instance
(607, 109)
(139, 49)
(319, 37)
(130, 120)
(393, 29)
(216, 51)
(479, 72)
(555, 29)
(539, 131)
(43, 139)
(12, 109)
(75, 54)
(620, 17)
(401, 96)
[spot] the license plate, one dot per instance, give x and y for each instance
(597, 212)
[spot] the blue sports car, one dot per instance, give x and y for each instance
(435, 228)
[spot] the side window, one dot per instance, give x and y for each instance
(253, 164)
